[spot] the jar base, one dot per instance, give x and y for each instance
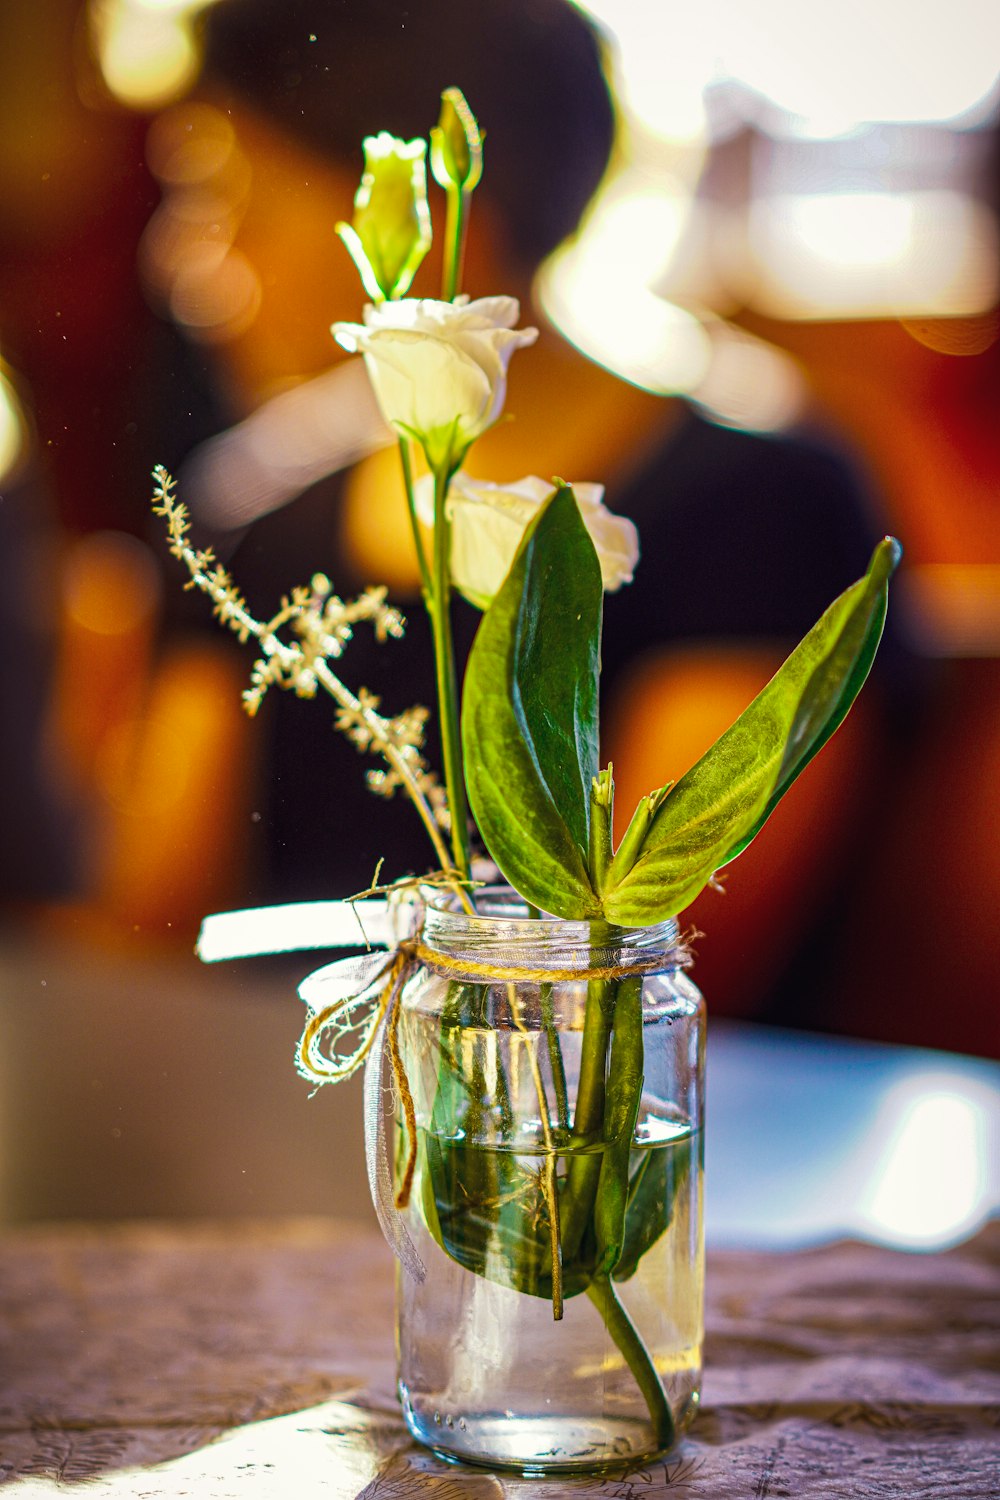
(535, 1446)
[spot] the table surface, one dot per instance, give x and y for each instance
(255, 1359)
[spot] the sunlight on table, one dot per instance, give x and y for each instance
(269, 1460)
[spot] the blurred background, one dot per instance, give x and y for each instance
(764, 254)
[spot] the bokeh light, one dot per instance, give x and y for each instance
(953, 609)
(13, 429)
(859, 193)
(821, 255)
(931, 1187)
(825, 67)
(146, 49)
(187, 257)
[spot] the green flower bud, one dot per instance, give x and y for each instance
(456, 144)
(391, 230)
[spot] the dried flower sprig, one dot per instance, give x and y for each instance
(322, 624)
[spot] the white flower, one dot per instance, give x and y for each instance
(489, 520)
(439, 369)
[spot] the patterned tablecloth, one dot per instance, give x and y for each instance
(255, 1359)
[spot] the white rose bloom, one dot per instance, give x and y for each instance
(439, 369)
(489, 520)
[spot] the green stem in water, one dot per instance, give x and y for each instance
(602, 1293)
(548, 1176)
(623, 1100)
(609, 1095)
(555, 1056)
(439, 604)
(588, 1122)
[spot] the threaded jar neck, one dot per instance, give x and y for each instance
(504, 935)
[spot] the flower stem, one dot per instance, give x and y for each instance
(439, 604)
(454, 242)
(418, 541)
(602, 1293)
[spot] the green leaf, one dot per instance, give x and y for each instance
(724, 800)
(530, 712)
(654, 1188)
(462, 1185)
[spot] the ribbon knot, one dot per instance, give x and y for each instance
(360, 1025)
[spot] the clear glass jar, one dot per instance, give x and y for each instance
(556, 1073)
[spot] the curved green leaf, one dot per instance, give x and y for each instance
(530, 712)
(654, 1188)
(724, 800)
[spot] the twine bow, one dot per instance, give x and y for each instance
(358, 1023)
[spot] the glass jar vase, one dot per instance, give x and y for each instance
(552, 1190)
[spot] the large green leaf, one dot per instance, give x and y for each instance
(654, 1187)
(530, 712)
(723, 801)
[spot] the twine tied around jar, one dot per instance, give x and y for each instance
(359, 1025)
(354, 1011)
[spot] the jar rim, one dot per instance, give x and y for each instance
(505, 933)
